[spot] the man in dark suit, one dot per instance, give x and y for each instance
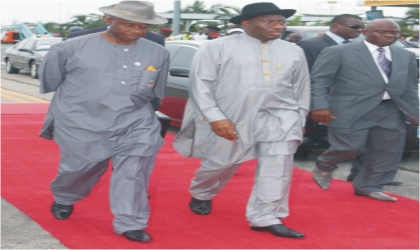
(362, 91)
(342, 29)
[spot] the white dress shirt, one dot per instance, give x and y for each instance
(337, 39)
(374, 51)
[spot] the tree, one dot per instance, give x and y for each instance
(196, 7)
(87, 21)
(295, 21)
(411, 19)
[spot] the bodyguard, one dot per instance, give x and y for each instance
(101, 110)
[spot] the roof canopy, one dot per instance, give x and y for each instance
(390, 3)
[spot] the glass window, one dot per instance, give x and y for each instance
(183, 58)
(45, 44)
(29, 45)
(172, 48)
(21, 44)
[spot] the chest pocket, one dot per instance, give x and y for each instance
(136, 91)
(143, 92)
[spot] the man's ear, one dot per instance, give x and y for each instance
(364, 32)
(109, 19)
(334, 26)
(246, 23)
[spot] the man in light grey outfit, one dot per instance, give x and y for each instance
(104, 83)
(249, 96)
(362, 90)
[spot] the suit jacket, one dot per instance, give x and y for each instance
(346, 80)
(157, 38)
(314, 46)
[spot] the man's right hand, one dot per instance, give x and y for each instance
(322, 115)
(225, 129)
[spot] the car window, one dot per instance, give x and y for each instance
(29, 45)
(172, 48)
(312, 33)
(46, 44)
(183, 58)
(21, 44)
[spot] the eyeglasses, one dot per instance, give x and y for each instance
(355, 27)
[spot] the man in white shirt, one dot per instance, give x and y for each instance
(361, 90)
(200, 35)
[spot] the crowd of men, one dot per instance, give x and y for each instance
(210, 33)
(250, 96)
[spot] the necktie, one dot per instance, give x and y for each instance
(384, 62)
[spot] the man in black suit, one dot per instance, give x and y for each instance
(343, 28)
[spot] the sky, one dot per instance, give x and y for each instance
(61, 11)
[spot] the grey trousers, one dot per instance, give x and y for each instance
(380, 136)
(128, 191)
(357, 164)
(269, 199)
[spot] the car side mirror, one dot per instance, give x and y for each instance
(179, 72)
(26, 50)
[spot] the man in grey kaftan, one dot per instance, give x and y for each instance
(101, 111)
(263, 89)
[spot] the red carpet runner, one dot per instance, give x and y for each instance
(330, 219)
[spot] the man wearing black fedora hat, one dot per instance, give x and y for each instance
(101, 111)
(249, 96)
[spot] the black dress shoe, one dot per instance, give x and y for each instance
(393, 183)
(61, 212)
(199, 206)
(280, 230)
(351, 177)
(137, 235)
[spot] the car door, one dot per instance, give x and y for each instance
(176, 92)
(13, 53)
(25, 54)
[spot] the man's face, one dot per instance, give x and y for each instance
(415, 36)
(209, 31)
(127, 31)
(294, 38)
(382, 34)
(348, 28)
(265, 28)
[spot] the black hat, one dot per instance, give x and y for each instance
(213, 28)
(261, 9)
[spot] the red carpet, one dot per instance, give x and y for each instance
(330, 219)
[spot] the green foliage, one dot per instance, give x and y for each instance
(411, 19)
(295, 21)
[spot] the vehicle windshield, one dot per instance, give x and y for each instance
(46, 44)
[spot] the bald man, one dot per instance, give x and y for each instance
(294, 37)
(363, 97)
